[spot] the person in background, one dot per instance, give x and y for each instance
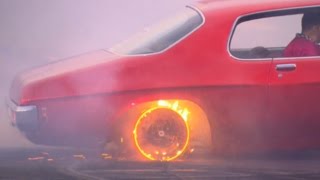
(306, 43)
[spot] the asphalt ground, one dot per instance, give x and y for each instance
(53, 163)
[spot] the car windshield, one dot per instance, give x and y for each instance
(162, 35)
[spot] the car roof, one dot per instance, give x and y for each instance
(222, 15)
(258, 2)
(245, 6)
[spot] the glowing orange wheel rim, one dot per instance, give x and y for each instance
(161, 134)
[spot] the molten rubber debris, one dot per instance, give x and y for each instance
(106, 156)
(79, 157)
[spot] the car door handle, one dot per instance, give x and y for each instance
(286, 67)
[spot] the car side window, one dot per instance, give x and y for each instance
(263, 36)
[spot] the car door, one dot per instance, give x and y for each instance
(293, 101)
(294, 94)
(244, 109)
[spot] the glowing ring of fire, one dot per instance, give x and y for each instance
(182, 114)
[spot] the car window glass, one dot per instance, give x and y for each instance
(161, 36)
(264, 37)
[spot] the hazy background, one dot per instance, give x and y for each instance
(35, 32)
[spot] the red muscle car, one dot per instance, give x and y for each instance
(211, 77)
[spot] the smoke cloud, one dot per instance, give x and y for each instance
(35, 32)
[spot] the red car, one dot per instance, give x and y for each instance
(212, 77)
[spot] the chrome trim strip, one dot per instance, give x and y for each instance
(258, 12)
(25, 117)
(296, 58)
(178, 41)
(17, 108)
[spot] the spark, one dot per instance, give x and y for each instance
(175, 106)
(185, 114)
(163, 103)
(79, 156)
(35, 158)
(106, 156)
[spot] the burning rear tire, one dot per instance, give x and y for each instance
(161, 134)
(161, 130)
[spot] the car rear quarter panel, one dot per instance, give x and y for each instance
(199, 69)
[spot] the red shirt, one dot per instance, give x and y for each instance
(301, 46)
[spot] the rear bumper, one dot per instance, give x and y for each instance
(25, 118)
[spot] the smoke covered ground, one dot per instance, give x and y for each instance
(53, 163)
